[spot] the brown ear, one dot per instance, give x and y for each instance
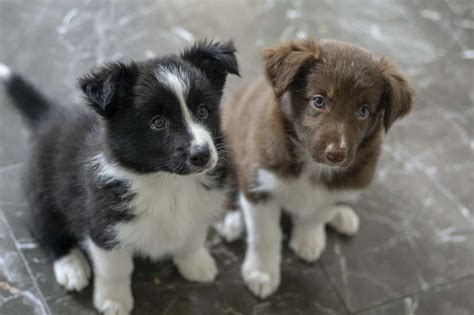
(397, 96)
(282, 63)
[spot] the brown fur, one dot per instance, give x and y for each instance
(271, 124)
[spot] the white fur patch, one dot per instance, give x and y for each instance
(5, 72)
(108, 172)
(344, 142)
(175, 79)
(72, 271)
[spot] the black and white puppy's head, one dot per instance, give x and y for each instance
(162, 115)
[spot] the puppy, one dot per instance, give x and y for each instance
(306, 140)
(138, 171)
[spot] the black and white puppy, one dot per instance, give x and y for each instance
(138, 171)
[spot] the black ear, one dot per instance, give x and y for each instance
(215, 59)
(104, 86)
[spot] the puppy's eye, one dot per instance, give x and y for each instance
(158, 123)
(319, 102)
(363, 112)
(202, 111)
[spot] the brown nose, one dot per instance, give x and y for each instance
(335, 154)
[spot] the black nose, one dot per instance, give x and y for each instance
(199, 155)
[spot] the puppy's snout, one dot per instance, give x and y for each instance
(335, 154)
(199, 155)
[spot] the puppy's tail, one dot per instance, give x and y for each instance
(26, 98)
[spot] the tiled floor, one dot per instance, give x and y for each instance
(415, 252)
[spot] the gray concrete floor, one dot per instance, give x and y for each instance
(415, 251)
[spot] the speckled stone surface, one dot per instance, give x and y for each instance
(415, 251)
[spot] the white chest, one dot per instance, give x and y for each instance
(304, 195)
(169, 211)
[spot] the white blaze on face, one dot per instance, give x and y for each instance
(176, 80)
(343, 142)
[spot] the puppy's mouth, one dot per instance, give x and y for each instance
(203, 169)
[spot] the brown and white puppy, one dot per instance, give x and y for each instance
(306, 139)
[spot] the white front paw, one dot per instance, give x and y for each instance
(72, 271)
(346, 221)
(199, 267)
(113, 297)
(308, 243)
(260, 279)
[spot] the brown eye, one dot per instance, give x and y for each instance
(202, 111)
(319, 102)
(363, 112)
(158, 123)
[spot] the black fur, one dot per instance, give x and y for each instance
(67, 199)
(32, 104)
(214, 59)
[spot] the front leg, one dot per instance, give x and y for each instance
(261, 267)
(194, 261)
(112, 283)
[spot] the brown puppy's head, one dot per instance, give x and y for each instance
(335, 96)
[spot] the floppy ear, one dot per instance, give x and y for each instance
(104, 86)
(215, 59)
(282, 63)
(397, 95)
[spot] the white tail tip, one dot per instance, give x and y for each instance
(5, 72)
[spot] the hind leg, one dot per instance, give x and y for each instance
(71, 268)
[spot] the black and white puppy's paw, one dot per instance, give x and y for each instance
(72, 271)
(112, 296)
